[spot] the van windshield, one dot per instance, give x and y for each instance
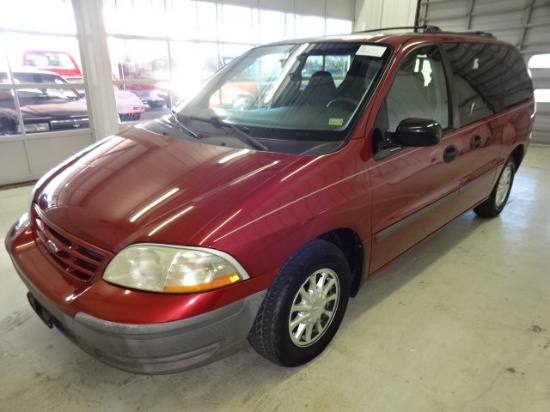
(290, 98)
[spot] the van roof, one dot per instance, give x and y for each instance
(401, 35)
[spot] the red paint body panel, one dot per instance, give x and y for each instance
(257, 206)
(258, 225)
(117, 304)
(99, 197)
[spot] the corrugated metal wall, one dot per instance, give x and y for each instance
(524, 23)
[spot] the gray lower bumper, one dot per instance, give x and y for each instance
(159, 348)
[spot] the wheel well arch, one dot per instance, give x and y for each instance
(518, 154)
(354, 250)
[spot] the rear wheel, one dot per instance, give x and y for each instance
(304, 306)
(499, 196)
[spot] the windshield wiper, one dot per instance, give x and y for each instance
(241, 135)
(184, 127)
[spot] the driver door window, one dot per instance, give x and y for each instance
(419, 90)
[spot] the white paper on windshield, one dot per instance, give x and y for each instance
(371, 50)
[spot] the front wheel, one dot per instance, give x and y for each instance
(499, 196)
(304, 306)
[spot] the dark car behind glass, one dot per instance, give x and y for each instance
(44, 107)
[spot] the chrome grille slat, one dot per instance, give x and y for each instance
(72, 256)
(74, 251)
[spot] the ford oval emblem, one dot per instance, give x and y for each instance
(52, 247)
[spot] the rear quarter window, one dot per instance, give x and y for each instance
(487, 79)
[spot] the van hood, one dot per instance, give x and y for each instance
(145, 187)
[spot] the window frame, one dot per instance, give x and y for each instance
(382, 153)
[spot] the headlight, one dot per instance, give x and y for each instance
(37, 127)
(171, 269)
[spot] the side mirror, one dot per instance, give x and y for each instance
(418, 132)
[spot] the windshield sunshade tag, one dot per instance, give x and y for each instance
(371, 50)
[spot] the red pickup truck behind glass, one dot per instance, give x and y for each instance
(58, 62)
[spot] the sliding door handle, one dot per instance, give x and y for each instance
(450, 153)
(475, 142)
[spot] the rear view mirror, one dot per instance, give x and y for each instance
(418, 132)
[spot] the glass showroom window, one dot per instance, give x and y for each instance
(140, 18)
(273, 26)
(41, 83)
(141, 70)
(309, 26)
(163, 50)
(238, 24)
(541, 62)
(337, 26)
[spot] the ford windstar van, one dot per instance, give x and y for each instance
(256, 212)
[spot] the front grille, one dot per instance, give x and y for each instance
(77, 259)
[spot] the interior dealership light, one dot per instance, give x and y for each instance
(169, 269)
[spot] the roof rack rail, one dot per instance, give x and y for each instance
(475, 33)
(426, 28)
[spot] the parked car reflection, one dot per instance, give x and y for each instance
(52, 108)
(129, 106)
(43, 109)
(149, 94)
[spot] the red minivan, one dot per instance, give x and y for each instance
(167, 246)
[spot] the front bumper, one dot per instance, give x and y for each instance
(151, 348)
(156, 348)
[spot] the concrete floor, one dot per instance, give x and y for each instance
(460, 324)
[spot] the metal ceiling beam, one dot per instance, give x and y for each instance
(469, 14)
(526, 19)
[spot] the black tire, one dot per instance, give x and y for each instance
(500, 193)
(7, 126)
(288, 336)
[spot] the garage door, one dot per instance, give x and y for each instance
(524, 23)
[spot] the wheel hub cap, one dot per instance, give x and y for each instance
(314, 307)
(503, 186)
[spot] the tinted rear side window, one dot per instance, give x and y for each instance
(487, 79)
